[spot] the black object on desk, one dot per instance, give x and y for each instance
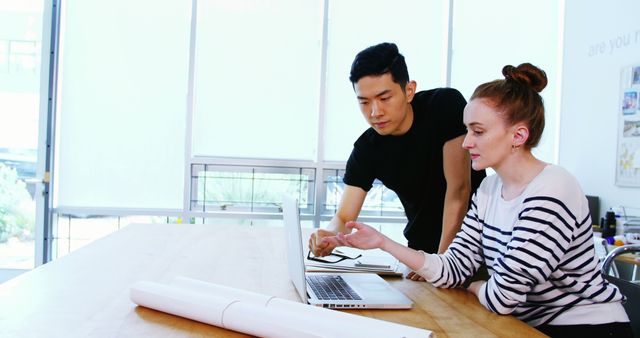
(608, 224)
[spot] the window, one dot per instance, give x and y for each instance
(257, 80)
(4, 56)
(272, 110)
(121, 105)
(380, 201)
(24, 57)
(72, 232)
(419, 29)
(250, 189)
(20, 35)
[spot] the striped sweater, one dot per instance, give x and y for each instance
(538, 248)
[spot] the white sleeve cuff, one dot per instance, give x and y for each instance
(431, 268)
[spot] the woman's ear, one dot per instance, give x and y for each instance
(520, 135)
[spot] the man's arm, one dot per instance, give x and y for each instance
(348, 210)
(457, 173)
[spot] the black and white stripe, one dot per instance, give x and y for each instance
(540, 265)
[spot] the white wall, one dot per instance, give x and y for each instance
(480, 51)
(601, 37)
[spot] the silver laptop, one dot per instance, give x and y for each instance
(334, 290)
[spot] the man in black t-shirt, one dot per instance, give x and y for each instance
(414, 147)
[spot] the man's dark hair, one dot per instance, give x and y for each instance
(378, 60)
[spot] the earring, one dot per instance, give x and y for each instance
(514, 148)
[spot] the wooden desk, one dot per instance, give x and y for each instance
(629, 258)
(86, 293)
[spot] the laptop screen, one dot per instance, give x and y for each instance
(293, 235)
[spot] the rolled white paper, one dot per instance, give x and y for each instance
(258, 314)
(365, 326)
(260, 321)
(228, 313)
(199, 286)
(180, 302)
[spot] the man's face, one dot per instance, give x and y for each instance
(383, 103)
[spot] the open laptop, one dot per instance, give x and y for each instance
(355, 290)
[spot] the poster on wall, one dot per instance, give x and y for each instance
(628, 156)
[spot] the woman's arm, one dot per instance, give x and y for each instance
(367, 237)
(445, 270)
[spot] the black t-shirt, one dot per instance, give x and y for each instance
(411, 164)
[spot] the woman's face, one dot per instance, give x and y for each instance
(488, 138)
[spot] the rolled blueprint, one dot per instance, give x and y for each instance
(260, 315)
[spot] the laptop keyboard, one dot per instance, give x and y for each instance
(331, 287)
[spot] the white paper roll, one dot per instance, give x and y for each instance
(260, 315)
(216, 289)
(201, 307)
(260, 321)
(328, 323)
(332, 323)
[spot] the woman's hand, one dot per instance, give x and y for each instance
(414, 276)
(365, 237)
(475, 286)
